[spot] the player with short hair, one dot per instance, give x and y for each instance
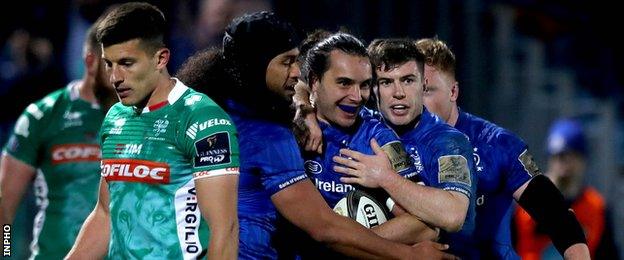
(442, 155)
(505, 169)
(169, 155)
(54, 147)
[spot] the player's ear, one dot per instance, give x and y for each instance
(454, 91)
(162, 57)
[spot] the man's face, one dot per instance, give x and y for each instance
(438, 96)
(132, 71)
(566, 165)
(283, 73)
(400, 91)
(343, 88)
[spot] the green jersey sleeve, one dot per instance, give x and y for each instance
(210, 141)
(29, 131)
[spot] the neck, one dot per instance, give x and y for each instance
(454, 116)
(86, 91)
(161, 92)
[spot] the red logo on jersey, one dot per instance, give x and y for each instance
(75, 153)
(133, 170)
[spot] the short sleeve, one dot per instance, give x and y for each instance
(210, 141)
(452, 165)
(25, 141)
(519, 165)
(281, 164)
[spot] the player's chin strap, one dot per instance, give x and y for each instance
(543, 201)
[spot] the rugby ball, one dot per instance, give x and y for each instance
(363, 208)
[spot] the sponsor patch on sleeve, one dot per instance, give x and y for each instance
(526, 159)
(398, 157)
(454, 168)
(213, 150)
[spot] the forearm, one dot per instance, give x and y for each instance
(406, 229)
(434, 206)
(92, 241)
(224, 242)
(352, 239)
(576, 252)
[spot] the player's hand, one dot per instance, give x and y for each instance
(366, 170)
(308, 132)
(431, 250)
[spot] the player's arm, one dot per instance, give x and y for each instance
(217, 198)
(15, 176)
(546, 205)
(306, 127)
(441, 208)
(406, 229)
(92, 241)
(299, 200)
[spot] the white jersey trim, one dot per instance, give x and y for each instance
(188, 219)
(215, 173)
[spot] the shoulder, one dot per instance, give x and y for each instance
(485, 131)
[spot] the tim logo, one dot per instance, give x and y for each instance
(213, 150)
(132, 170)
(67, 153)
(128, 149)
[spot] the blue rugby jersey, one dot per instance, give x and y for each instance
(270, 161)
(320, 167)
(503, 165)
(443, 158)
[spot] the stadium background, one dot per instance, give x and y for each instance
(521, 63)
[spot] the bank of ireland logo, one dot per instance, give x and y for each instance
(119, 123)
(160, 126)
(313, 167)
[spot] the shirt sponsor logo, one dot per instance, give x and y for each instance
(313, 167)
(133, 170)
(197, 127)
(191, 222)
(67, 153)
(213, 150)
(291, 181)
(119, 123)
(128, 149)
(332, 186)
(454, 168)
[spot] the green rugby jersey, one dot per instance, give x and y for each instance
(58, 136)
(150, 160)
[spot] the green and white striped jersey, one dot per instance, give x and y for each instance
(58, 136)
(150, 159)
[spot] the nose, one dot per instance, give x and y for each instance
(399, 92)
(116, 76)
(355, 94)
(294, 71)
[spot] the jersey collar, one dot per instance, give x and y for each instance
(178, 89)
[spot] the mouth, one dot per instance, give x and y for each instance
(123, 92)
(399, 110)
(351, 110)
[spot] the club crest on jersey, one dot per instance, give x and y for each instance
(416, 160)
(477, 159)
(213, 150)
(160, 126)
(119, 123)
(132, 170)
(72, 119)
(67, 153)
(313, 167)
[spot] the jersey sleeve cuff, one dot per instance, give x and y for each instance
(214, 173)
